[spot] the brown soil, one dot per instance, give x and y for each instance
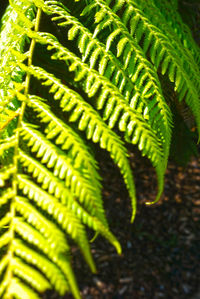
(161, 254)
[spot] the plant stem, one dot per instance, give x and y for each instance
(16, 151)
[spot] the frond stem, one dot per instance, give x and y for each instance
(9, 273)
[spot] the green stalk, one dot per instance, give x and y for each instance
(9, 273)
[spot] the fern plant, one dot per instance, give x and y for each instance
(73, 75)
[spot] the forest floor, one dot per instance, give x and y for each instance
(161, 249)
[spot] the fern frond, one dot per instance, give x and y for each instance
(136, 65)
(5, 174)
(48, 180)
(5, 220)
(43, 225)
(98, 75)
(58, 188)
(34, 237)
(51, 271)
(7, 143)
(6, 117)
(4, 262)
(31, 276)
(90, 121)
(22, 18)
(100, 59)
(163, 54)
(60, 258)
(138, 131)
(116, 103)
(6, 196)
(3, 286)
(109, 66)
(20, 291)
(52, 242)
(63, 166)
(10, 286)
(7, 146)
(64, 217)
(140, 71)
(5, 239)
(188, 61)
(67, 138)
(174, 20)
(11, 38)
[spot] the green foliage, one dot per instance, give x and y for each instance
(73, 75)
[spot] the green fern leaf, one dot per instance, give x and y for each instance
(64, 169)
(90, 121)
(4, 239)
(136, 60)
(3, 264)
(5, 220)
(54, 275)
(20, 291)
(43, 225)
(96, 72)
(33, 277)
(59, 190)
(67, 138)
